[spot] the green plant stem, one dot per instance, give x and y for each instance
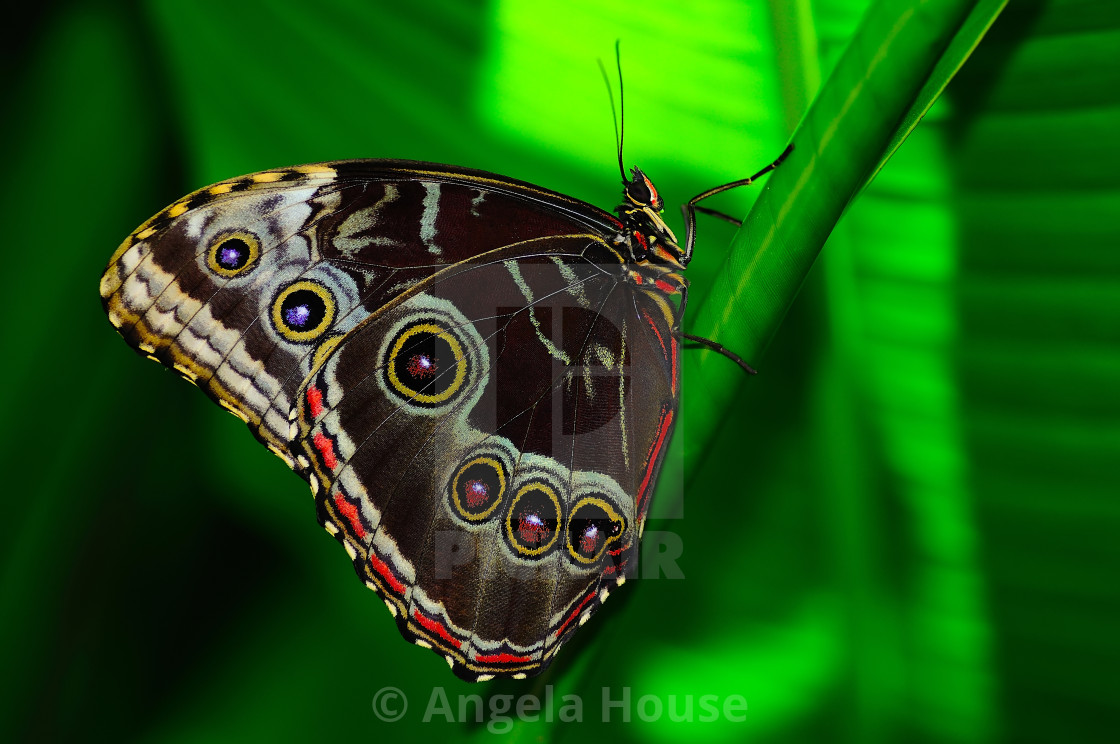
(854, 122)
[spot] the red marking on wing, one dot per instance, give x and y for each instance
(617, 222)
(673, 363)
(434, 626)
(383, 568)
(326, 449)
(574, 613)
(670, 354)
(477, 493)
(636, 277)
(422, 366)
(619, 567)
(665, 286)
(656, 332)
(612, 568)
(315, 400)
(532, 532)
(350, 512)
(651, 458)
(502, 658)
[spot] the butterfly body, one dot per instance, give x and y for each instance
(478, 377)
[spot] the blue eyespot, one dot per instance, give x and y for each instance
(233, 254)
(303, 311)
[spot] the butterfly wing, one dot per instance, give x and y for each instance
(484, 447)
(235, 285)
(492, 518)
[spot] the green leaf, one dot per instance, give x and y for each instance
(900, 58)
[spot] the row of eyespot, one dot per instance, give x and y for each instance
(532, 522)
(426, 364)
(301, 312)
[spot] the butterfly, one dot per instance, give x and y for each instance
(478, 377)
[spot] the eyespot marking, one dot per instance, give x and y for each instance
(303, 311)
(233, 254)
(477, 488)
(532, 524)
(426, 364)
(592, 525)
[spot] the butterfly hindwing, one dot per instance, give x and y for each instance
(478, 446)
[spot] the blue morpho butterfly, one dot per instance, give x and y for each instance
(477, 376)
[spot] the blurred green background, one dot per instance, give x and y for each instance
(904, 530)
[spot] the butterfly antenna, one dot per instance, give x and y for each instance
(621, 109)
(614, 112)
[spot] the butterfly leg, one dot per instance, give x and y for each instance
(723, 216)
(708, 343)
(690, 209)
(721, 349)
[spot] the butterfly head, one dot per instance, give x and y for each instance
(649, 237)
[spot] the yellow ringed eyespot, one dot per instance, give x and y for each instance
(593, 524)
(426, 364)
(233, 254)
(532, 523)
(477, 488)
(303, 311)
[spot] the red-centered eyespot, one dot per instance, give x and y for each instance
(533, 520)
(426, 365)
(477, 488)
(592, 525)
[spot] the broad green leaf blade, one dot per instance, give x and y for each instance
(839, 146)
(960, 48)
(1036, 166)
(975, 315)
